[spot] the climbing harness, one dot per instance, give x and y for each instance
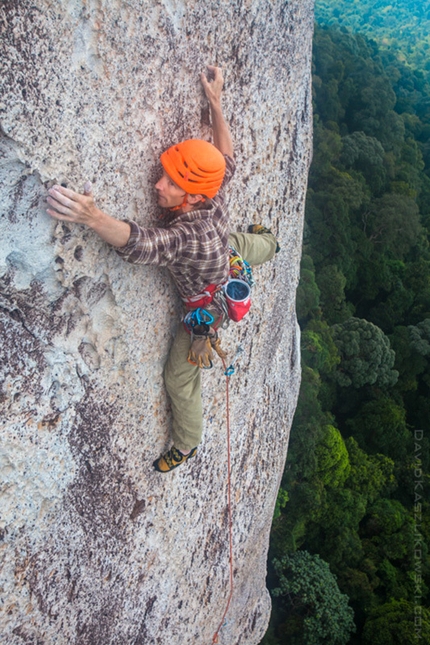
(233, 296)
(230, 520)
(202, 299)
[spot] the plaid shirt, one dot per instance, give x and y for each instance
(193, 246)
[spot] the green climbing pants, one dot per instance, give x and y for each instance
(183, 379)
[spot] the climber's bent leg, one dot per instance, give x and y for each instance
(255, 249)
(183, 386)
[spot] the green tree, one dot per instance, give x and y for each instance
(318, 348)
(317, 612)
(373, 109)
(281, 502)
(329, 212)
(420, 337)
(389, 532)
(391, 309)
(416, 279)
(327, 149)
(409, 363)
(380, 427)
(366, 355)
(362, 151)
(366, 155)
(308, 294)
(359, 583)
(298, 479)
(308, 412)
(333, 462)
(390, 539)
(392, 224)
(370, 475)
(331, 283)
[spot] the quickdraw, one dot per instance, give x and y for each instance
(230, 369)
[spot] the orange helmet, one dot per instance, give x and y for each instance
(196, 166)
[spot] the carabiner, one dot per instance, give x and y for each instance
(203, 316)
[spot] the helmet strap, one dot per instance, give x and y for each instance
(185, 202)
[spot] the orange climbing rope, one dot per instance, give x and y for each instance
(230, 521)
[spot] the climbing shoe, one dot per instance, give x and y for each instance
(259, 229)
(172, 459)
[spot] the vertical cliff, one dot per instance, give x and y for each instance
(96, 546)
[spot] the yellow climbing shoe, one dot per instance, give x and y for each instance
(258, 229)
(172, 459)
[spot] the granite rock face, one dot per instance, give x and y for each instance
(96, 547)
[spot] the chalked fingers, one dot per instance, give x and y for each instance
(70, 206)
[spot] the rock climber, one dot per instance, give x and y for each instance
(193, 244)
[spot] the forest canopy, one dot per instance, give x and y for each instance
(348, 507)
(399, 26)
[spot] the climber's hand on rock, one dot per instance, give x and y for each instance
(213, 83)
(68, 206)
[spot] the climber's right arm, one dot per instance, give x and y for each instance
(220, 129)
(68, 206)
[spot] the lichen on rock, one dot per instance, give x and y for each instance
(97, 547)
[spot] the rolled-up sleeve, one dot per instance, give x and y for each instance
(156, 246)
